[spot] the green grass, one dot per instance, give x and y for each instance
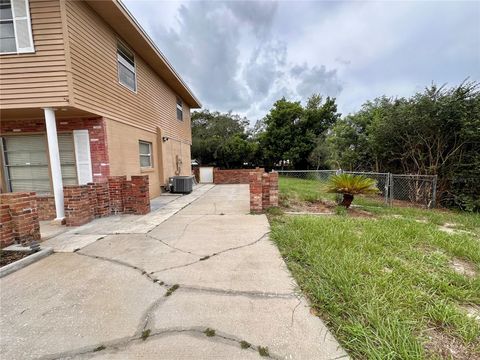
(380, 284)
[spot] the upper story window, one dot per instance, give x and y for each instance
(126, 67)
(15, 27)
(179, 109)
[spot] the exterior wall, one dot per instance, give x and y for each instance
(93, 49)
(96, 129)
(171, 150)
(124, 153)
(37, 79)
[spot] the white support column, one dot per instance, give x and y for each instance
(54, 156)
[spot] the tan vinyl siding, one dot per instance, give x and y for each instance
(37, 79)
(93, 50)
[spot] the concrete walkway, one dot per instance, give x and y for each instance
(203, 283)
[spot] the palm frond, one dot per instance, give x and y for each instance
(351, 184)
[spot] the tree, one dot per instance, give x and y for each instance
(292, 131)
(221, 139)
(434, 132)
(350, 185)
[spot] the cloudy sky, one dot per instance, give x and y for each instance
(244, 55)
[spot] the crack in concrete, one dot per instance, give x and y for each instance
(207, 257)
(124, 342)
(122, 263)
(231, 292)
(294, 309)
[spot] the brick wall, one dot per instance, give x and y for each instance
(19, 211)
(263, 191)
(6, 226)
(96, 130)
(83, 203)
(236, 176)
(46, 207)
(136, 199)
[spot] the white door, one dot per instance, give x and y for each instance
(206, 175)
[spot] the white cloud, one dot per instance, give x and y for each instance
(244, 55)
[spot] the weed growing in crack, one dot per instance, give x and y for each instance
(146, 334)
(209, 332)
(161, 283)
(100, 348)
(144, 272)
(245, 344)
(172, 289)
(155, 280)
(263, 351)
(205, 258)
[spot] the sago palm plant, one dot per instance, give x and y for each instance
(350, 185)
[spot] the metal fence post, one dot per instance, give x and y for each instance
(434, 191)
(391, 188)
(387, 184)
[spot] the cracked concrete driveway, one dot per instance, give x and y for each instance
(206, 283)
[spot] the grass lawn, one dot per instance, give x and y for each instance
(398, 285)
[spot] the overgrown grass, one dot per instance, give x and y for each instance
(381, 284)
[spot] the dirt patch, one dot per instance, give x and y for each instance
(445, 346)
(473, 311)
(463, 267)
(451, 228)
(360, 213)
(323, 207)
(320, 206)
(8, 257)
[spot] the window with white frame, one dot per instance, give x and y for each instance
(145, 154)
(126, 67)
(25, 161)
(15, 27)
(179, 109)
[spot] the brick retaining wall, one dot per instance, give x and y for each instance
(236, 176)
(18, 212)
(46, 207)
(263, 191)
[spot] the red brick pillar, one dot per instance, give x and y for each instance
(115, 190)
(255, 180)
(137, 195)
(6, 231)
(265, 190)
(77, 205)
(273, 188)
(102, 208)
(24, 216)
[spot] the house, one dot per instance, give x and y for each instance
(85, 94)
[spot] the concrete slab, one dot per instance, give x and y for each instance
(69, 242)
(284, 325)
(68, 301)
(48, 229)
(231, 279)
(184, 345)
(209, 234)
(138, 250)
(256, 268)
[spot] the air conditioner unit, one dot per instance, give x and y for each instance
(181, 184)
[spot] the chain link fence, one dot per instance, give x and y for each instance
(395, 189)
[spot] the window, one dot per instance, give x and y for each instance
(15, 27)
(26, 162)
(179, 109)
(145, 154)
(126, 67)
